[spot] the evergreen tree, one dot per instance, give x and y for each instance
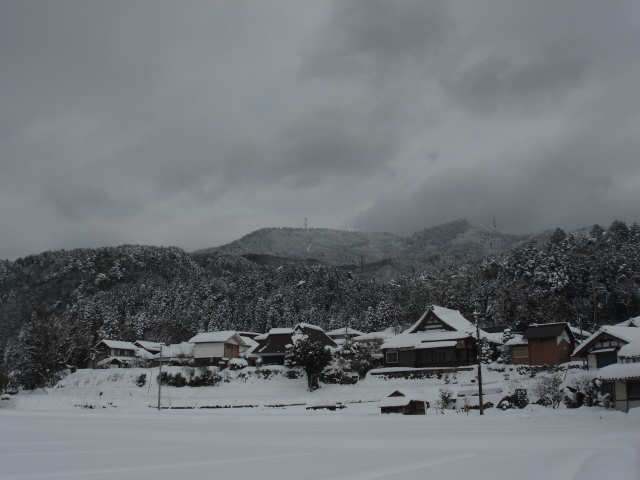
(312, 357)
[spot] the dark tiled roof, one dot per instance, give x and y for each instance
(547, 330)
(276, 343)
(316, 334)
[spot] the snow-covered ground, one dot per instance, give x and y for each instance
(45, 435)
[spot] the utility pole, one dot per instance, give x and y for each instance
(160, 377)
(479, 354)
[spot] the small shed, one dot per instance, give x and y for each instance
(405, 402)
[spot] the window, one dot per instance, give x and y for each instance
(633, 389)
(520, 352)
(392, 357)
(438, 355)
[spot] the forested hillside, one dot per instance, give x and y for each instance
(56, 305)
(385, 255)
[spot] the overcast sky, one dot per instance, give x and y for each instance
(194, 123)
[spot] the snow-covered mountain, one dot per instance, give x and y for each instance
(436, 247)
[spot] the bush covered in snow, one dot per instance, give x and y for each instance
(548, 390)
(238, 364)
(358, 357)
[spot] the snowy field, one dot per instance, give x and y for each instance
(48, 436)
(292, 443)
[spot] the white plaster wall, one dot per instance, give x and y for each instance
(207, 350)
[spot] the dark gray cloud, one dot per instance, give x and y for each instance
(334, 144)
(376, 37)
(193, 124)
(495, 83)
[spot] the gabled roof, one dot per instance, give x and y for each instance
(315, 334)
(455, 327)
(118, 344)
(452, 320)
(547, 330)
(627, 334)
(402, 397)
(217, 337)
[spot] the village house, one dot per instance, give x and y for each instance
(601, 348)
(114, 354)
(176, 354)
(215, 348)
(272, 347)
(440, 338)
(625, 377)
(543, 344)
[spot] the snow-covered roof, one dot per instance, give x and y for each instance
(119, 344)
(632, 322)
(625, 333)
(403, 399)
(517, 340)
(413, 340)
(248, 353)
(546, 330)
(453, 318)
(630, 350)
(578, 333)
(108, 360)
(249, 341)
(366, 337)
(144, 354)
(308, 325)
(280, 331)
(214, 337)
(620, 371)
(425, 345)
(344, 331)
(150, 346)
(176, 350)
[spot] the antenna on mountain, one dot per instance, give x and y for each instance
(305, 223)
(494, 221)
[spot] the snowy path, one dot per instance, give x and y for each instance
(292, 444)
